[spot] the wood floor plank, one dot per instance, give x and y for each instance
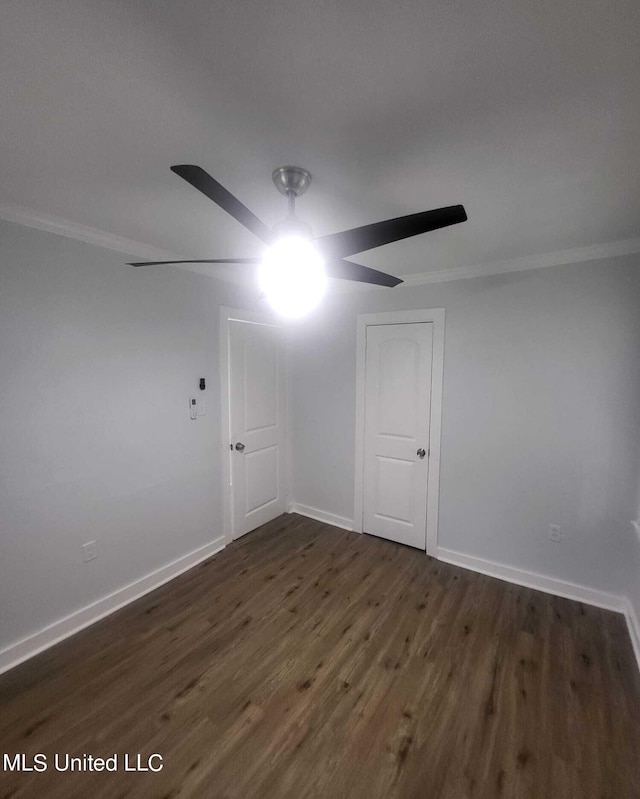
(307, 661)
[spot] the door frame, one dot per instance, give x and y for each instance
(228, 315)
(435, 316)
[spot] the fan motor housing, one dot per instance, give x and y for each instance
(292, 226)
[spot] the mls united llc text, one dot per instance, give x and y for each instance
(65, 762)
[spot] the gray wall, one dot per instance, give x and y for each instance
(97, 361)
(541, 415)
(633, 583)
(634, 567)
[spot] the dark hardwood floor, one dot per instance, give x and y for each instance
(305, 661)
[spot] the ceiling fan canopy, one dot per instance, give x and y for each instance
(293, 182)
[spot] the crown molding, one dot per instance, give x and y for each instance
(613, 249)
(90, 235)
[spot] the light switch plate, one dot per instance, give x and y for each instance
(89, 551)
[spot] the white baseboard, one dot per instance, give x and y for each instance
(540, 582)
(63, 628)
(634, 627)
(321, 516)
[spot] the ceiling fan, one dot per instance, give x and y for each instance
(291, 242)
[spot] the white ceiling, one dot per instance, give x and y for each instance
(526, 112)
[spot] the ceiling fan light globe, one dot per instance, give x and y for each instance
(292, 276)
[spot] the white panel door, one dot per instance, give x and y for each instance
(396, 431)
(256, 404)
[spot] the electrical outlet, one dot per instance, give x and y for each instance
(555, 532)
(89, 551)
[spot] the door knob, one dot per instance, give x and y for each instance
(421, 453)
(240, 446)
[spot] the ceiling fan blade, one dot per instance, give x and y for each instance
(202, 181)
(347, 270)
(359, 239)
(201, 261)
